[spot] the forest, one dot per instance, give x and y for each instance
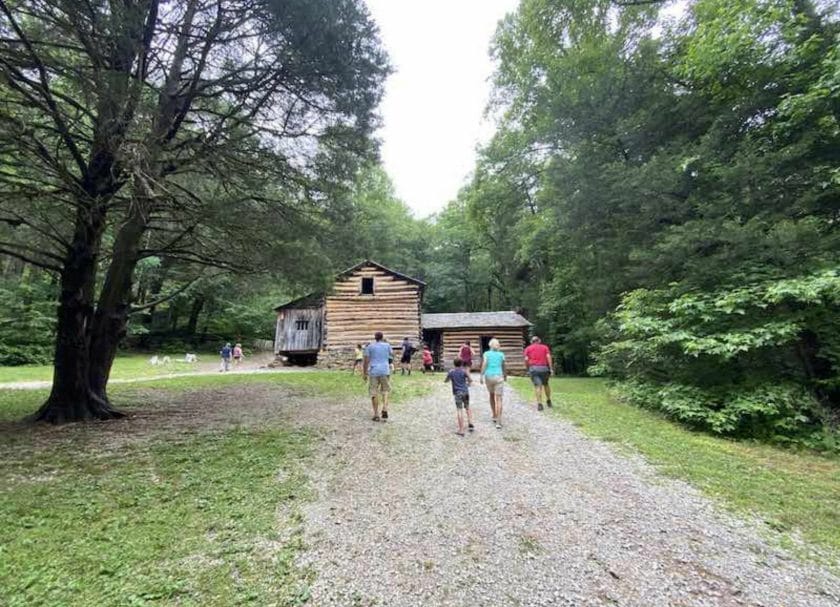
(661, 196)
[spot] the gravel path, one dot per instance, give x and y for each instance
(409, 514)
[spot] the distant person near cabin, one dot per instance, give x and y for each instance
(376, 370)
(494, 375)
(238, 357)
(539, 364)
(226, 353)
(405, 359)
(461, 381)
(466, 354)
(359, 358)
(428, 359)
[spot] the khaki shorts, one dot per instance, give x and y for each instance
(379, 384)
(495, 384)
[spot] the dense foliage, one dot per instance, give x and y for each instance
(663, 198)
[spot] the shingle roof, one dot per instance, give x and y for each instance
(462, 320)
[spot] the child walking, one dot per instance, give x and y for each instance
(237, 355)
(461, 381)
(358, 361)
(428, 359)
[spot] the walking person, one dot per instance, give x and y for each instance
(226, 353)
(358, 360)
(376, 370)
(238, 356)
(466, 354)
(428, 359)
(461, 381)
(540, 367)
(494, 375)
(405, 359)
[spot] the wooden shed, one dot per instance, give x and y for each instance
(364, 299)
(446, 333)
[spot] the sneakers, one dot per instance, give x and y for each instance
(461, 434)
(376, 418)
(471, 428)
(548, 403)
(498, 426)
(539, 407)
(384, 415)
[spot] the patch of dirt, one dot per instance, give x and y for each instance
(155, 414)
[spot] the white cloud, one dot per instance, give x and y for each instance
(434, 103)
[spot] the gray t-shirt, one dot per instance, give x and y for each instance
(460, 381)
(379, 353)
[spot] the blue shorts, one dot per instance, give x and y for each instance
(539, 375)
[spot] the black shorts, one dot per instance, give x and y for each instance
(462, 400)
(539, 375)
(406, 358)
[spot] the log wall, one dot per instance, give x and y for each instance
(512, 340)
(352, 318)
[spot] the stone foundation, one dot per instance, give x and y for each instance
(336, 359)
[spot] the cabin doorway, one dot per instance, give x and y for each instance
(485, 343)
(434, 339)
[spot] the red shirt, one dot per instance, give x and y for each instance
(465, 354)
(427, 357)
(537, 355)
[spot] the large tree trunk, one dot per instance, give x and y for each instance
(72, 398)
(110, 322)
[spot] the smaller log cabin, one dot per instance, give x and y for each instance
(446, 333)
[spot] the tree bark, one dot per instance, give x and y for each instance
(110, 321)
(71, 397)
(195, 312)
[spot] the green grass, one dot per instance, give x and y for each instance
(101, 515)
(192, 522)
(791, 491)
(127, 366)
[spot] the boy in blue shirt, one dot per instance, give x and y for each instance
(461, 381)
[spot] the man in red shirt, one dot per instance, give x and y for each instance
(539, 364)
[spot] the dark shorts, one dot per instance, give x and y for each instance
(462, 400)
(467, 363)
(406, 358)
(539, 375)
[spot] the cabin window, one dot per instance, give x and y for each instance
(367, 286)
(302, 325)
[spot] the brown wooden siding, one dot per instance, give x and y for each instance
(289, 338)
(353, 318)
(512, 341)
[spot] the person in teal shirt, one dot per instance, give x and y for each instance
(494, 375)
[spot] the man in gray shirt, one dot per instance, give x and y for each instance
(377, 371)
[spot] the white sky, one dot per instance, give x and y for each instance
(434, 102)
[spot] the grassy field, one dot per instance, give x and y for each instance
(792, 492)
(180, 505)
(127, 366)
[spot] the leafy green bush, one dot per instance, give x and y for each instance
(761, 359)
(27, 327)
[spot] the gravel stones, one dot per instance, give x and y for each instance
(407, 513)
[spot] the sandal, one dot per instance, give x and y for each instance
(376, 418)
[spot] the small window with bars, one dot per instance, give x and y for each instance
(302, 325)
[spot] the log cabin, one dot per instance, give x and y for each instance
(446, 333)
(324, 328)
(364, 299)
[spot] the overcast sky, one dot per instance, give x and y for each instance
(434, 102)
